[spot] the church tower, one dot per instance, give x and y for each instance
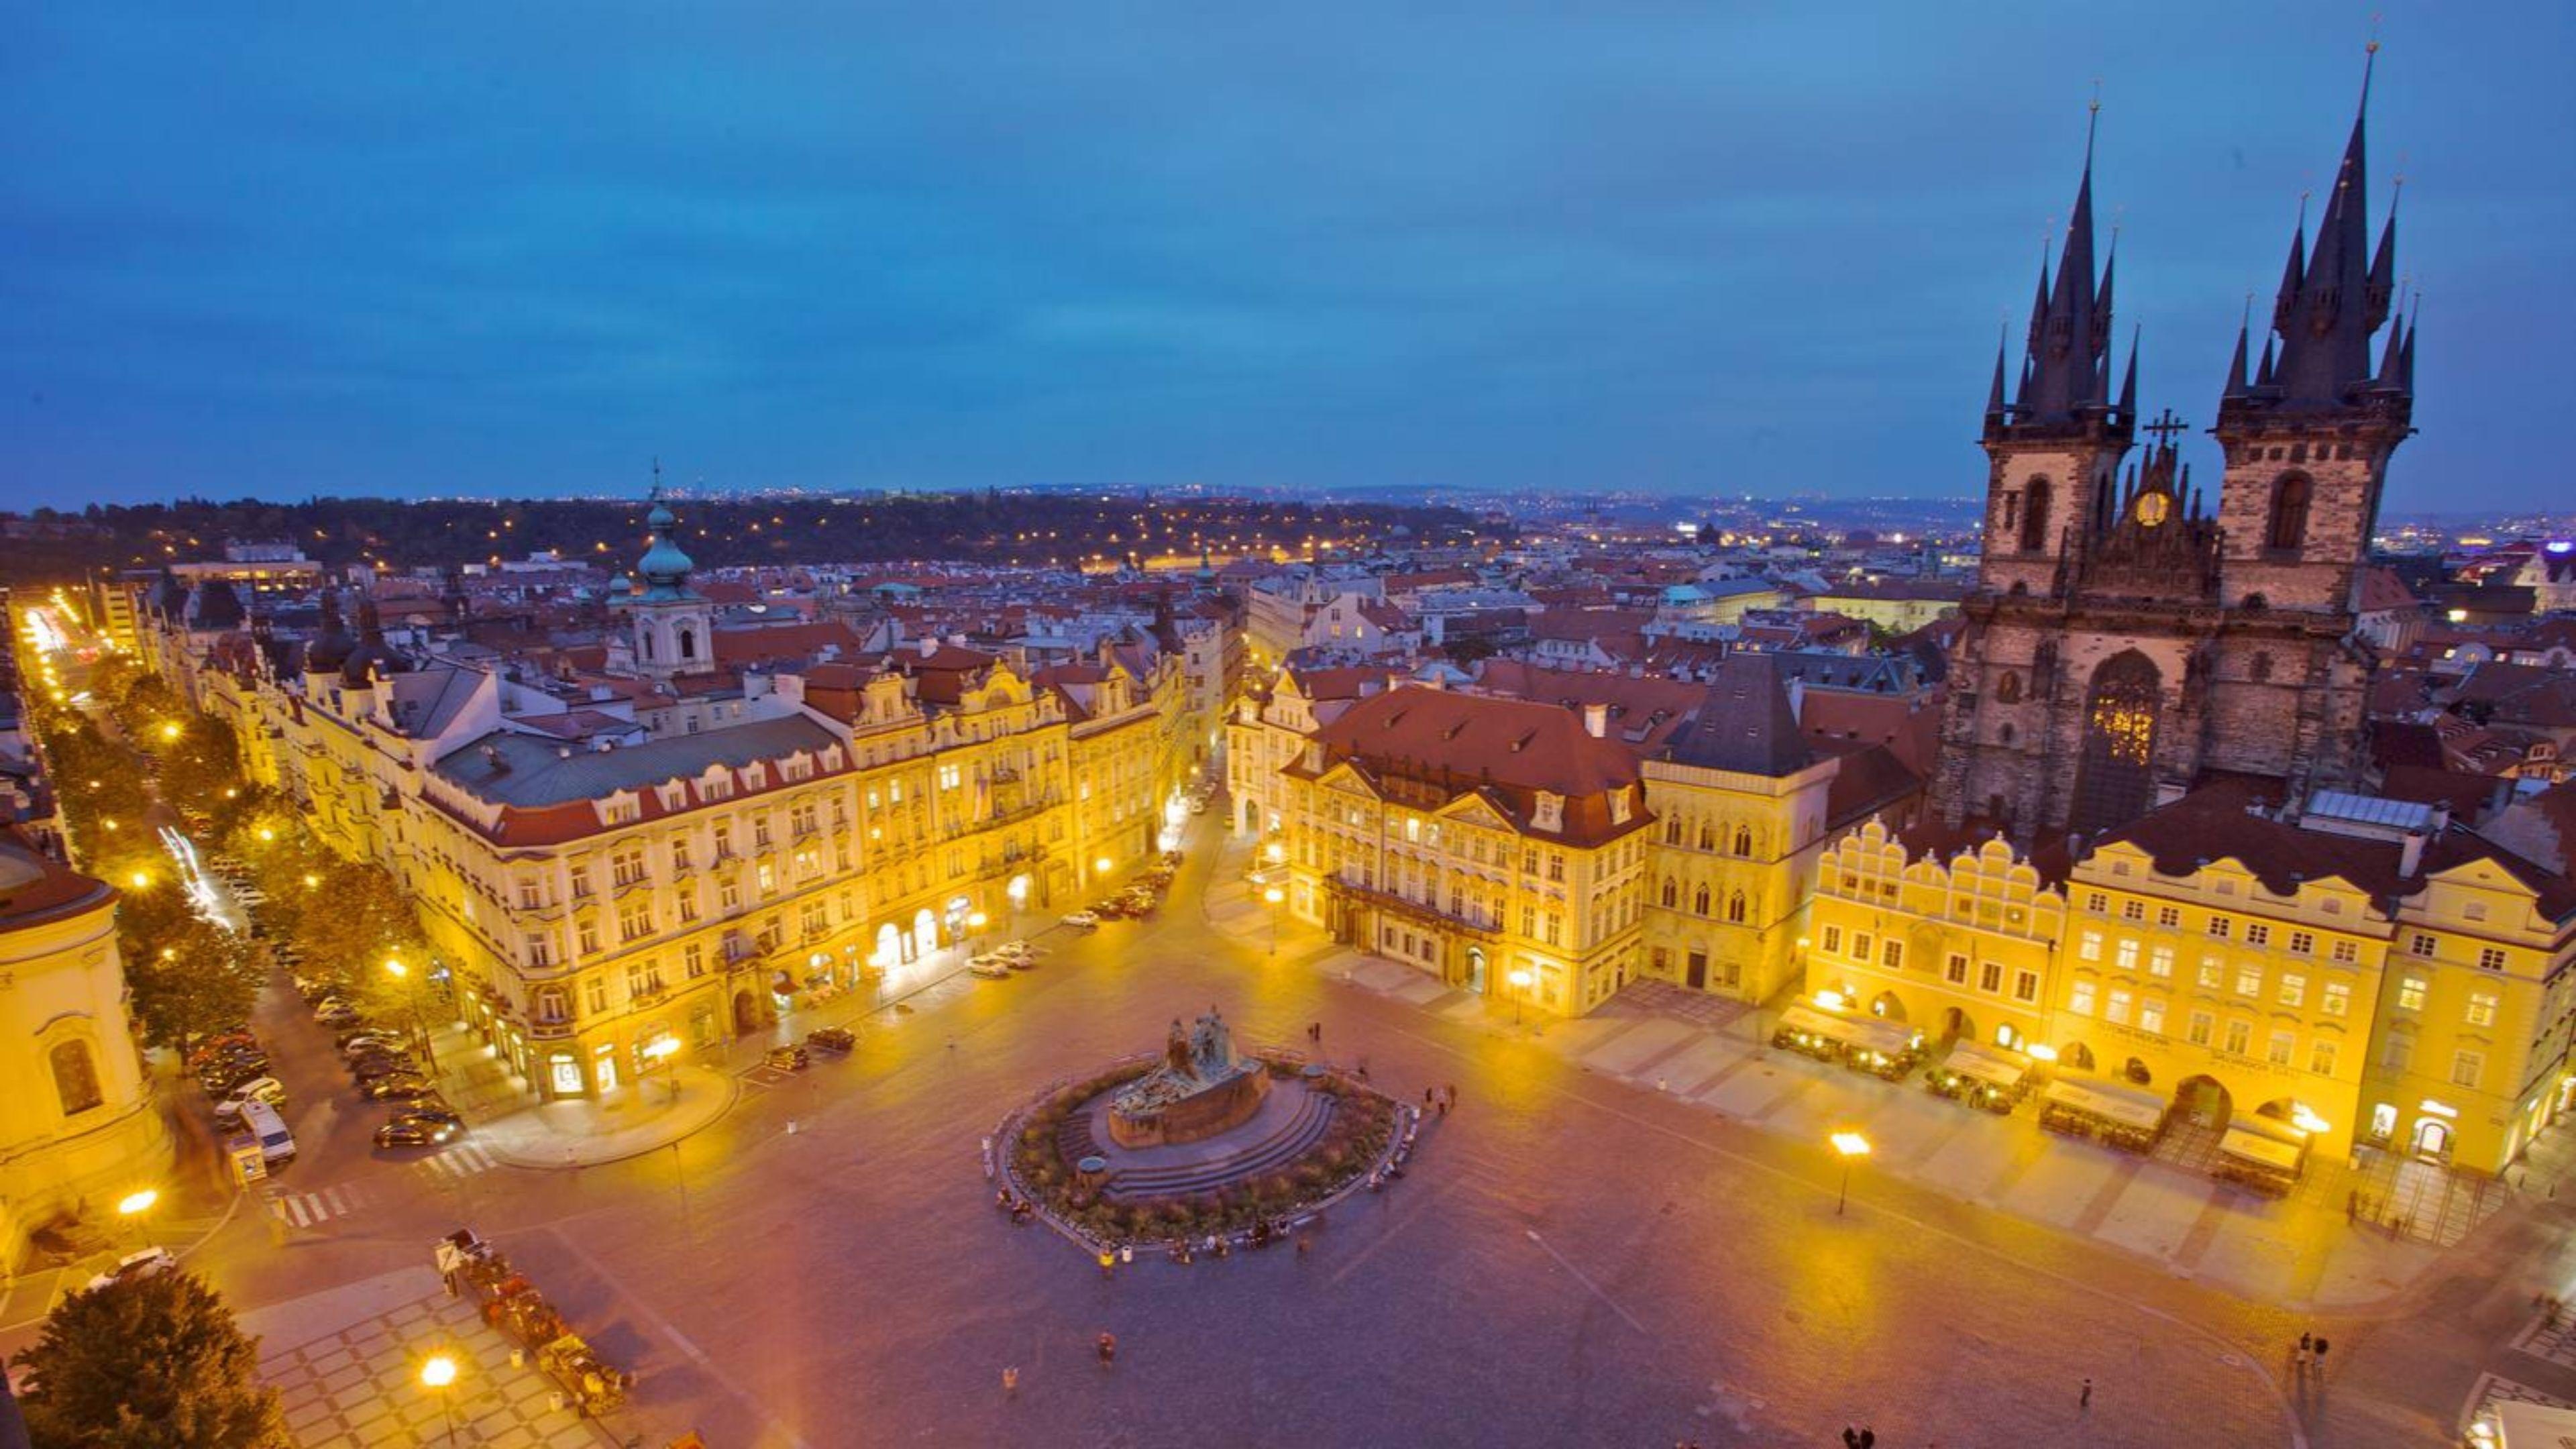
(2122, 645)
(672, 627)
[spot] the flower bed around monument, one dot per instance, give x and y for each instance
(1363, 1133)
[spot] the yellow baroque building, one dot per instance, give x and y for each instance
(78, 1128)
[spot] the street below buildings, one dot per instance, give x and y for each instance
(1572, 1259)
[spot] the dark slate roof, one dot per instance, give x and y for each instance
(1744, 723)
(536, 774)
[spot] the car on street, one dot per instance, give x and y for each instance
(257, 1089)
(789, 1059)
(363, 1042)
(431, 1109)
(377, 1067)
(397, 1089)
(1082, 921)
(142, 1263)
(409, 1130)
(1017, 951)
(832, 1039)
(990, 967)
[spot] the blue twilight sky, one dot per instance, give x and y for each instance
(269, 249)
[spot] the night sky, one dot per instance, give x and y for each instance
(524, 249)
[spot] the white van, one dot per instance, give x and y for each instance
(276, 1144)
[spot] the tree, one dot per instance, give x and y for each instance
(199, 980)
(149, 1363)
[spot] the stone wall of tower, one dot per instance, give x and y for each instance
(2344, 465)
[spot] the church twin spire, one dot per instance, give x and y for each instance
(2066, 367)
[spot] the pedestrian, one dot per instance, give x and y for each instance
(1108, 1264)
(2306, 1341)
(1011, 1380)
(1108, 1348)
(1868, 1437)
(2301, 1357)
(2084, 1400)
(1444, 1106)
(1851, 1437)
(1453, 1094)
(1426, 1096)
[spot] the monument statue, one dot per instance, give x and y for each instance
(1199, 1090)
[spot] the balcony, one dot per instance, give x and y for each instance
(1409, 908)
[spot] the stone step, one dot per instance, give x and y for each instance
(1290, 1140)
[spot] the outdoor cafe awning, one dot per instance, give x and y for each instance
(2112, 1104)
(1995, 1069)
(1860, 1033)
(1812, 1022)
(2260, 1150)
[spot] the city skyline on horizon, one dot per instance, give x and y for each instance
(1660, 293)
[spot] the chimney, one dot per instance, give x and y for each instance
(2410, 856)
(1596, 720)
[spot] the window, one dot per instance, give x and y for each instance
(680, 854)
(2089, 948)
(2160, 962)
(1990, 976)
(2169, 917)
(1833, 938)
(1862, 945)
(2133, 910)
(2026, 986)
(2209, 973)
(550, 1005)
(2410, 994)
(2421, 944)
(2280, 1048)
(1556, 865)
(2240, 1035)
(1956, 973)
(626, 867)
(760, 832)
(2303, 943)
(1743, 841)
(694, 957)
(2258, 933)
(2345, 953)
(1699, 905)
(588, 938)
(2466, 1067)
(2397, 1052)
(2151, 1016)
(2475, 910)
(644, 978)
(2221, 926)
(594, 993)
(530, 894)
(2080, 999)
(2202, 1023)
(1891, 955)
(2482, 1008)
(2034, 516)
(580, 881)
(634, 921)
(75, 1077)
(2118, 1011)
(2338, 998)
(538, 951)
(2321, 1057)
(1673, 893)
(1735, 913)
(2125, 954)
(2288, 526)
(2096, 902)
(2249, 981)
(688, 903)
(2294, 990)
(2491, 958)
(729, 894)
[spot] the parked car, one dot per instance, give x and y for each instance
(789, 1058)
(380, 1066)
(359, 1043)
(1083, 921)
(432, 1110)
(398, 1089)
(338, 1016)
(354, 1030)
(142, 1263)
(407, 1130)
(257, 1089)
(1018, 951)
(989, 966)
(831, 1039)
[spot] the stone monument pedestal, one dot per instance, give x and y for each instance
(1217, 1107)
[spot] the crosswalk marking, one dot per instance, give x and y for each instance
(462, 1160)
(304, 1209)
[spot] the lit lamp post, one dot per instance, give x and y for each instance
(132, 1207)
(438, 1375)
(1274, 895)
(1848, 1145)
(395, 968)
(660, 1051)
(1520, 977)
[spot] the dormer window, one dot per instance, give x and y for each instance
(1549, 815)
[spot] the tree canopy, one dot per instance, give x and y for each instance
(148, 1363)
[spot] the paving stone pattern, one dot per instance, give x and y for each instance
(359, 1386)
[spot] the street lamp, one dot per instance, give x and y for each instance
(1274, 895)
(1520, 978)
(438, 1375)
(395, 968)
(661, 1050)
(1849, 1145)
(134, 1205)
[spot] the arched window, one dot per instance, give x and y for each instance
(1672, 833)
(75, 1077)
(2079, 1056)
(2034, 516)
(644, 637)
(1672, 891)
(2008, 688)
(1735, 908)
(688, 642)
(2116, 778)
(1699, 902)
(1743, 840)
(2261, 668)
(1707, 836)
(2289, 526)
